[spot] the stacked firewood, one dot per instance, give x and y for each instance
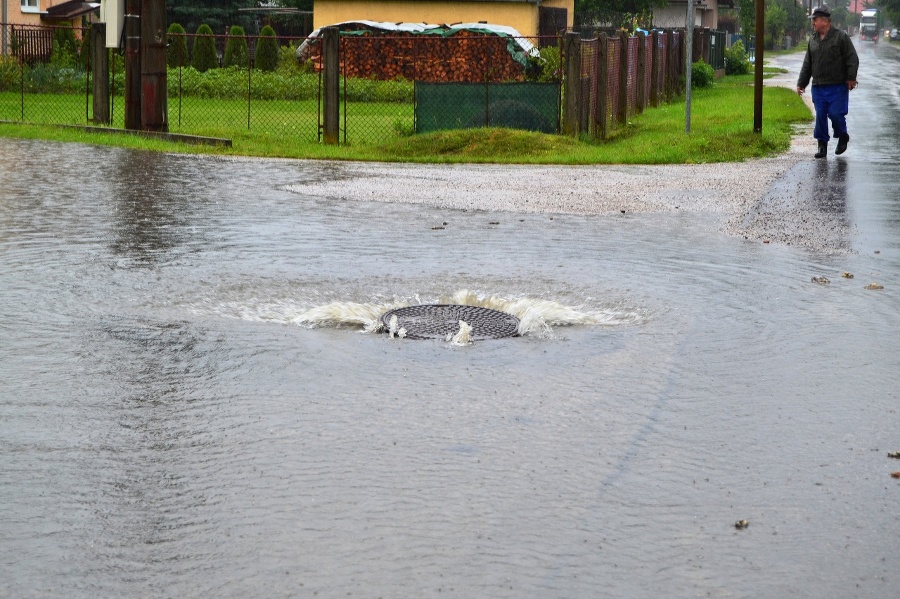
(466, 56)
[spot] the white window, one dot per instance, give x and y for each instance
(31, 5)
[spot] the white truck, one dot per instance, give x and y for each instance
(868, 25)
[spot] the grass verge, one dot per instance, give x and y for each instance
(721, 131)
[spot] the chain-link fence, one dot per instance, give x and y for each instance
(390, 85)
(44, 74)
(467, 79)
(623, 75)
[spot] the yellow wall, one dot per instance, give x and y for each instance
(522, 16)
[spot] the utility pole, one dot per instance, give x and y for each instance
(133, 64)
(154, 101)
(758, 63)
(689, 64)
(146, 104)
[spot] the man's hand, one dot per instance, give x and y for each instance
(800, 90)
(851, 85)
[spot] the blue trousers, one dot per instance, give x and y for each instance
(831, 102)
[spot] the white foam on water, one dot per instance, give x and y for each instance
(537, 317)
(463, 336)
(348, 313)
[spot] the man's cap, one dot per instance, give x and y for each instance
(820, 11)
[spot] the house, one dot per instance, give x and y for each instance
(46, 12)
(529, 17)
(27, 29)
(674, 14)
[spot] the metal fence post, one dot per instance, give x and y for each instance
(572, 97)
(249, 89)
(22, 90)
(331, 43)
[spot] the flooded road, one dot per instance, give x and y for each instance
(172, 425)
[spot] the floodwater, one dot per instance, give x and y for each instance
(176, 422)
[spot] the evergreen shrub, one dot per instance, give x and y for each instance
(204, 56)
(736, 61)
(177, 50)
(237, 54)
(267, 52)
(702, 74)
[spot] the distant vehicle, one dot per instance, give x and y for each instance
(895, 35)
(868, 26)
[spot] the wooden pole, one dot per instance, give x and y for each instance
(572, 97)
(603, 84)
(654, 68)
(154, 104)
(133, 64)
(622, 117)
(758, 71)
(100, 73)
(641, 70)
(331, 84)
(688, 67)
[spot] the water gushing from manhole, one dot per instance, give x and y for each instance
(440, 321)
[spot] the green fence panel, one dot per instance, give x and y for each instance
(517, 105)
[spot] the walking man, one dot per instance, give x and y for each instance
(831, 62)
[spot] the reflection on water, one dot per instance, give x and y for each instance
(830, 185)
(169, 429)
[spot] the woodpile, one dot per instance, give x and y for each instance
(466, 56)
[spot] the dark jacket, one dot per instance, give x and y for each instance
(829, 60)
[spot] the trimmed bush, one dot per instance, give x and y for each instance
(204, 57)
(267, 51)
(736, 62)
(177, 50)
(237, 54)
(702, 74)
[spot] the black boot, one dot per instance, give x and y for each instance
(842, 143)
(823, 149)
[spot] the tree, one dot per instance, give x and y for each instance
(204, 56)
(776, 19)
(614, 12)
(796, 22)
(177, 50)
(267, 52)
(746, 10)
(218, 14)
(292, 24)
(891, 9)
(237, 54)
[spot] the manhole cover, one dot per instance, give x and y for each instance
(436, 321)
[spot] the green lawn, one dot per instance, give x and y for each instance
(721, 130)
